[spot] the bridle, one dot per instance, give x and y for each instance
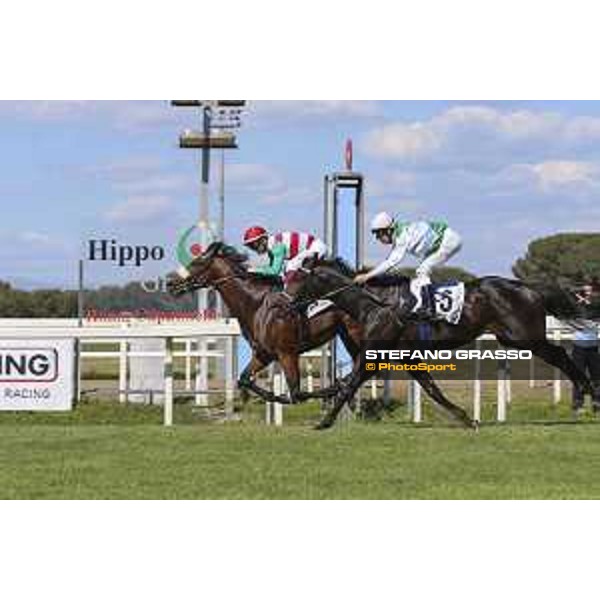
(200, 282)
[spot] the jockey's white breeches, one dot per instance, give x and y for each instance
(451, 244)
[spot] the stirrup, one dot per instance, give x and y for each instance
(424, 313)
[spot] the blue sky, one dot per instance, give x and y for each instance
(502, 173)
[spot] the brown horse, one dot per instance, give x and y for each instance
(275, 330)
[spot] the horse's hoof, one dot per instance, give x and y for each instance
(323, 426)
(475, 425)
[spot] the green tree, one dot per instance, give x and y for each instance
(63, 303)
(566, 259)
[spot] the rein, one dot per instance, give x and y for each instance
(225, 279)
(350, 285)
(335, 293)
(215, 284)
(342, 289)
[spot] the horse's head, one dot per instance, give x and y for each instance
(217, 262)
(318, 278)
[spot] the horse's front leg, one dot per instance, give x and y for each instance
(331, 391)
(247, 380)
(433, 391)
(348, 388)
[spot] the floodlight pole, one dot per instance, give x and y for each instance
(348, 179)
(203, 294)
(206, 118)
(206, 141)
(204, 197)
(222, 198)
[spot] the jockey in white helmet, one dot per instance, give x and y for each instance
(431, 242)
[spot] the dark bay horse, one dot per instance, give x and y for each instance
(275, 330)
(513, 312)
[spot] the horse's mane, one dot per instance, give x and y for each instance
(387, 281)
(220, 248)
(342, 266)
(338, 264)
(272, 280)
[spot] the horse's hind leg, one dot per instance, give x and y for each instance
(349, 333)
(290, 363)
(434, 392)
(556, 356)
(527, 331)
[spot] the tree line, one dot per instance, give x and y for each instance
(58, 303)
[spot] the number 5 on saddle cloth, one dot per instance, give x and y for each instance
(446, 299)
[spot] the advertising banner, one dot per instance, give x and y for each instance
(36, 375)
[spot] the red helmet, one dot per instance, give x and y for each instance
(254, 234)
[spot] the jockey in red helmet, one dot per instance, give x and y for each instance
(286, 250)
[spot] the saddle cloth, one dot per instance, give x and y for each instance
(316, 308)
(448, 300)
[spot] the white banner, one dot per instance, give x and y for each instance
(36, 375)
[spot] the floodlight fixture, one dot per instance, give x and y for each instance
(197, 140)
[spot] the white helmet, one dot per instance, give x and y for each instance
(382, 221)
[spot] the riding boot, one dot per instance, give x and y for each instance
(426, 310)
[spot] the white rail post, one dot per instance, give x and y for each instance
(532, 373)
(77, 366)
(274, 409)
(123, 374)
(508, 388)
(202, 373)
(280, 390)
(168, 370)
(477, 388)
(557, 387)
(272, 386)
(310, 378)
(229, 376)
(188, 365)
(416, 401)
(501, 402)
(374, 389)
(477, 400)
